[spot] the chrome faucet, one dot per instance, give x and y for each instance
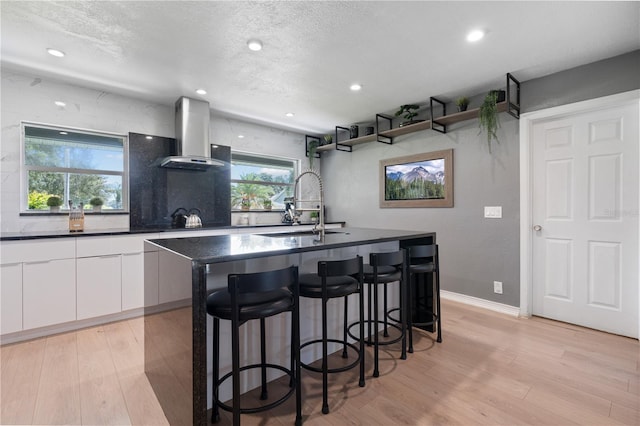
(318, 227)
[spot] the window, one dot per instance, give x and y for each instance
(256, 178)
(74, 165)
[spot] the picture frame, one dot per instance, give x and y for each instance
(419, 180)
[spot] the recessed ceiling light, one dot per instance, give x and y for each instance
(254, 45)
(64, 133)
(201, 92)
(55, 52)
(214, 146)
(289, 114)
(475, 35)
(240, 136)
(60, 103)
(149, 137)
(355, 87)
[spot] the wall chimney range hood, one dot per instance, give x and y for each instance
(193, 151)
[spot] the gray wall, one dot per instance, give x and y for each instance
(607, 77)
(474, 251)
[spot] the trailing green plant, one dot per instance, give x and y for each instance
(96, 201)
(312, 147)
(408, 111)
(488, 117)
(54, 201)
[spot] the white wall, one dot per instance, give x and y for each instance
(31, 98)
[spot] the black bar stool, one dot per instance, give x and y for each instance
(248, 297)
(423, 259)
(338, 278)
(385, 268)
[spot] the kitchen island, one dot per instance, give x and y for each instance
(176, 334)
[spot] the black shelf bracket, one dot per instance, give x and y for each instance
(513, 108)
(307, 139)
(435, 125)
(340, 146)
(381, 138)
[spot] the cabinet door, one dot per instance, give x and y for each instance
(49, 292)
(11, 298)
(99, 286)
(132, 281)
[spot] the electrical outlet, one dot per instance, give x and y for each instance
(497, 287)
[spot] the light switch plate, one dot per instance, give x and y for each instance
(493, 212)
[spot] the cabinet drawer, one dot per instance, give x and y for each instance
(108, 245)
(38, 250)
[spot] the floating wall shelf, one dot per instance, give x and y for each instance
(436, 123)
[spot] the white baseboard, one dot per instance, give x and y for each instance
(481, 303)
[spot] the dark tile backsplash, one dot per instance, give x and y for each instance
(155, 192)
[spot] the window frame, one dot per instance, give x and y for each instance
(24, 168)
(294, 161)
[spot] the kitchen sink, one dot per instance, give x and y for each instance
(299, 233)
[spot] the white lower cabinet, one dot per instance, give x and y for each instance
(48, 292)
(99, 286)
(10, 298)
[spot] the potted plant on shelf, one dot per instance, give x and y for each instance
(266, 203)
(328, 139)
(488, 116)
(409, 113)
(54, 202)
(462, 103)
(96, 203)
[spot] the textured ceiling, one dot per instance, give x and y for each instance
(401, 52)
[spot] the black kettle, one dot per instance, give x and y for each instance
(179, 218)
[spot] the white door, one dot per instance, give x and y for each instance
(585, 217)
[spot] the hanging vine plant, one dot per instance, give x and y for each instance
(312, 148)
(488, 117)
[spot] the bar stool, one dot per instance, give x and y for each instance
(423, 259)
(338, 278)
(249, 297)
(385, 268)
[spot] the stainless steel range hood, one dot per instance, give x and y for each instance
(193, 151)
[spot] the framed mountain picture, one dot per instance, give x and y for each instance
(420, 180)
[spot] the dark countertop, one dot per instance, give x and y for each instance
(17, 236)
(225, 248)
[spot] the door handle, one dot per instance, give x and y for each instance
(537, 228)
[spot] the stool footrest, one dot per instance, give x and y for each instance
(250, 410)
(336, 369)
(369, 340)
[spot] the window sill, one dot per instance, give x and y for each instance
(66, 213)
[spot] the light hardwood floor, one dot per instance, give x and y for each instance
(490, 369)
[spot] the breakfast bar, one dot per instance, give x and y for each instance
(180, 272)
